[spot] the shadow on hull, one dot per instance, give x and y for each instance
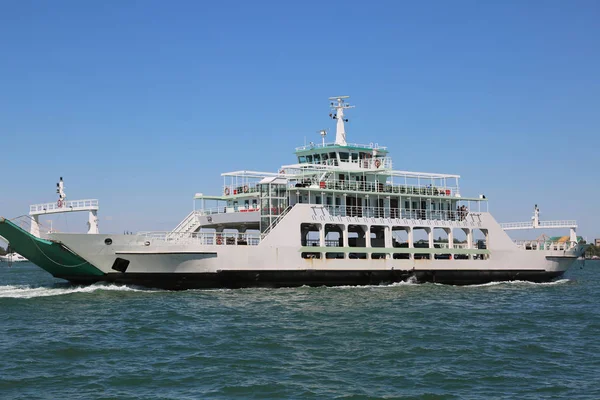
(276, 279)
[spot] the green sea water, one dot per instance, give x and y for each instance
(514, 340)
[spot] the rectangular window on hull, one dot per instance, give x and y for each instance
(334, 255)
(311, 255)
(357, 256)
(378, 256)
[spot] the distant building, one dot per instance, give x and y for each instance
(597, 242)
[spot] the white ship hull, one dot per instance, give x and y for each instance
(183, 263)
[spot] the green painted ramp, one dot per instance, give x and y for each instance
(50, 256)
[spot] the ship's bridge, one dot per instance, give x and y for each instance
(352, 156)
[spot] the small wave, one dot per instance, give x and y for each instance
(28, 292)
(517, 282)
(410, 281)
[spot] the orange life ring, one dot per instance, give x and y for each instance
(377, 163)
(219, 241)
(59, 203)
(245, 188)
(226, 191)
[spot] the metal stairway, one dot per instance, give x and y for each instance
(189, 224)
(275, 222)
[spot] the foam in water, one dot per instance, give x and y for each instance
(410, 281)
(558, 282)
(28, 292)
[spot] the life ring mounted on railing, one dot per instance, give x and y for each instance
(59, 203)
(227, 191)
(245, 188)
(377, 163)
(219, 240)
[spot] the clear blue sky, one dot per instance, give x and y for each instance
(141, 104)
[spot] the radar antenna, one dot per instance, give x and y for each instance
(339, 105)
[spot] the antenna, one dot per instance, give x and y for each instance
(339, 105)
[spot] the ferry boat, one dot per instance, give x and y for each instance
(339, 214)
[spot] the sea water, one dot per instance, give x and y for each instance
(515, 340)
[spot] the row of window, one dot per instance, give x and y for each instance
(395, 256)
(343, 157)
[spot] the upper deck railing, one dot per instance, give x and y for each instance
(374, 187)
(204, 238)
(70, 205)
(347, 185)
(355, 211)
(373, 146)
(398, 213)
(542, 224)
(227, 209)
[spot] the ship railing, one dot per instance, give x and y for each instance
(546, 245)
(396, 213)
(455, 245)
(325, 145)
(25, 221)
(384, 188)
(347, 185)
(69, 204)
(227, 209)
(542, 224)
(558, 224)
(204, 238)
(246, 189)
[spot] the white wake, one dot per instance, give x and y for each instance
(28, 292)
(517, 282)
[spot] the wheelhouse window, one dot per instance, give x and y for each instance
(344, 156)
(301, 159)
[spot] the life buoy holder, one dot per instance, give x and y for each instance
(282, 171)
(219, 240)
(377, 163)
(59, 203)
(226, 191)
(245, 188)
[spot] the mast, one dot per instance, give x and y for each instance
(339, 106)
